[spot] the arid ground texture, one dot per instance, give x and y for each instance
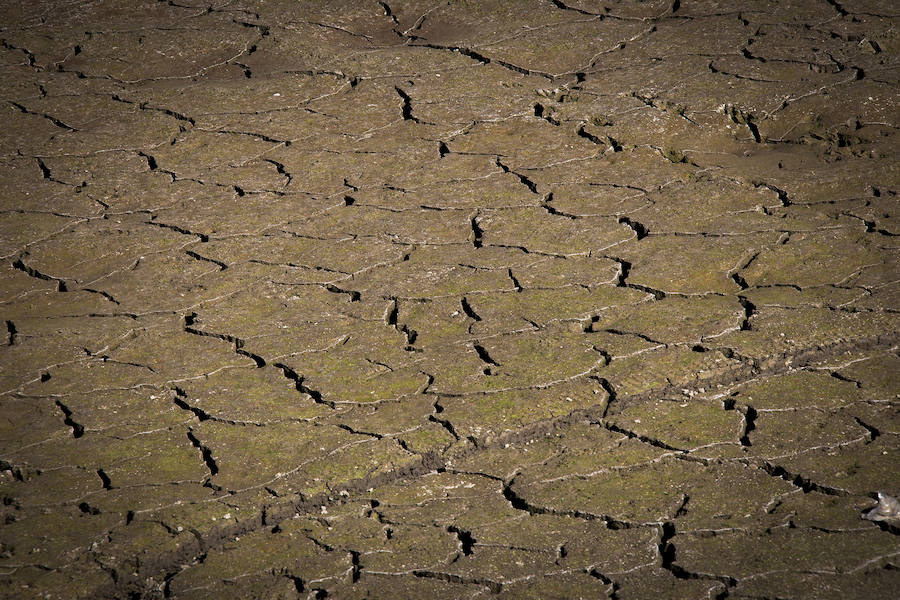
(449, 299)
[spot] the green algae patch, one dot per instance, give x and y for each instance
(41, 483)
(295, 456)
(499, 313)
(646, 494)
(53, 538)
(504, 461)
(16, 285)
(743, 555)
(19, 229)
(186, 279)
(489, 416)
(524, 360)
(29, 421)
(685, 424)
(691, 264)
(651, 581)
(445, 499)
(710, 206)
(586, 543)
(859, 469)
(670, 321)
(404, 585)
(253, 563)
(877, 375)
(875, 581)
(390, 418)
(182, 504)
(382, 547)
(656, 490)
(588, 450)
(566, 47)
(664, 368)
(823, 511)
(79, 578)
(414, 225)
(541, 231)
(125, 412)
(798, 390)
(354, 379)
(178, 354)
(145, 457)
(437, 321)
(495, 190)
(252, 396)
(269, 308)
(814, 258)
(424, 276)
(500, 564)
(777, 331)
(551, 584)
(553, 272)
(790, 296)
(350, 465)
(504, 138)
(407, 420)
(100, 247)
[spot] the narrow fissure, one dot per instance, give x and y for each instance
(640, 231)
(438, 409)
(493, 586)
(516, 285)
(302, 387)
(545, 204)
(665, 547)
(740, 281)
(750, 415)
(406, 107)
(45, 171)
(485, 358)
(281, 170)
(237, 343)
(749, 311)
(542, 112)
(799, 481)
(624, 270)
(11, 333)
(872, 431)
(77, 428)
(180, 400)
(466, 540)
(477, 232)
(532, 186)
(466, 307)
(643, 438)
(104, 479)
(21, 266)
(222, 266)
(354, 295)
(391, 317)
(205, 452)
(203, 237)
(151, 162)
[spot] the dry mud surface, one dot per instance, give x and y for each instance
(563, 299)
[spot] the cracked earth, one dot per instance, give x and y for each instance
(547, 299)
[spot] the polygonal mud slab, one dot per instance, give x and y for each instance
(380, 300)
